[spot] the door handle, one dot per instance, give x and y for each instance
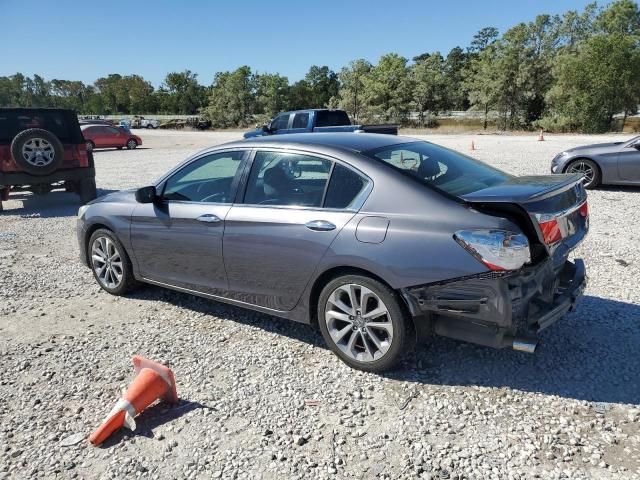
(320, 225)
(208, 218)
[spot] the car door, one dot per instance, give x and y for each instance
(300, 122)
(177, 240)
(629, 162)
(276, 236)
(101, 137)
(114, 137)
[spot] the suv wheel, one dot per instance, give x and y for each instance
(110, 263)
(37, 151)
(131, 144)
(363, 323)
(87, 190)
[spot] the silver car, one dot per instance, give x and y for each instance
(372, 238)
(616, 163)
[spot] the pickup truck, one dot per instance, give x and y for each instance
(316, 121)
(141, 122)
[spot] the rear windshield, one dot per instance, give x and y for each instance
(439, 167)
(332, 118)
(13, 122)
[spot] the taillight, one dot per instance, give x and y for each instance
(584, 209)
(551, 231)
(497, 249)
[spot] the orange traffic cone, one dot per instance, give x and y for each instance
(541, 136)
(153, 381)
(473, 145)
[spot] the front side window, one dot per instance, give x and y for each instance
(279, 178)
(208, 179)
(300, 120)
(444, 169)
(280, 122)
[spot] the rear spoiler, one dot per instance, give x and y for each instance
(526, 189)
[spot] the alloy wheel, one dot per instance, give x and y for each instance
(38, 152)
(107, 262)
(584, 169)
(131, 144)
(359, 322)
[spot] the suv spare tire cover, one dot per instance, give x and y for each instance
(37, 151)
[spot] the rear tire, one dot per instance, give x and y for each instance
(589, 169)
(87, 190)
(110, 263)
(90, 146)
(363, 323)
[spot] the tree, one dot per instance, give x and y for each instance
(351, 96)
(429, 87)
(455, 70)
(272, 93)
(483, 39)
(599, 81)
(232, 98)
(323, 84)
(183, 92)
(388, 88)
(481, 84)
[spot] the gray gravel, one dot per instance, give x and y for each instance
(263, 398)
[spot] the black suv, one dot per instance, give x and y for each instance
(42, 149)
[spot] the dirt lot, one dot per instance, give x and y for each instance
(454, 410)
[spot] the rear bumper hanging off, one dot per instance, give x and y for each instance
(499, 309)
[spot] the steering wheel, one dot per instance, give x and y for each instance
(215, 198)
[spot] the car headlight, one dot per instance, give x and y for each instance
(81, 210)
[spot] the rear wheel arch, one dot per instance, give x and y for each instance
(328, 275)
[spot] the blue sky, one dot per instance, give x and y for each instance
(87, 39)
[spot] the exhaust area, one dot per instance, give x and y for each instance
(524, 345)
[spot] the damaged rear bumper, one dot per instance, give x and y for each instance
(498, 309)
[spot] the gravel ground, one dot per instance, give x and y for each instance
(263, 398)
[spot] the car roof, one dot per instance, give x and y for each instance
(354, 142)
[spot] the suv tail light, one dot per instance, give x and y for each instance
(497, 249)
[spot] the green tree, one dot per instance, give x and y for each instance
(182, 93)
(429, 85)
(272, 93)
(481, 84)
(353, 79)
(388, 88)
(232, 98)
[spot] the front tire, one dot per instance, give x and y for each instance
(131, 144)
(110, 263)
(363, 323)
(588, 169)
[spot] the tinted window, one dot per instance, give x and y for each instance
(344, 187)
(13, 122)
(208, 179)
(444, 169)
(280, 122)
(287, 179)
(300, 120)
(332, 118)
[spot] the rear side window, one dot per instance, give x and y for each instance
(13, 122)
(344, 187)
(300, 120)
(279, 178)
(332, 118)
(444, 169)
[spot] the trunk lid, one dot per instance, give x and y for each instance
(554, 207)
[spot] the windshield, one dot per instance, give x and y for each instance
(439, 167)
(633, 141)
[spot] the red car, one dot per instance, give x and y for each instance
(104, 136)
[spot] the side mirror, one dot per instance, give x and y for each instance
(266, 128)
(146, 194)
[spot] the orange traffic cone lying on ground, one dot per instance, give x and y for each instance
(541, 136)
(153, 381)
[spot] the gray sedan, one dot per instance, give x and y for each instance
(616, 163)
(372, 238)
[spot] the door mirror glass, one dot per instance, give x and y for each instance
(146, 194)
